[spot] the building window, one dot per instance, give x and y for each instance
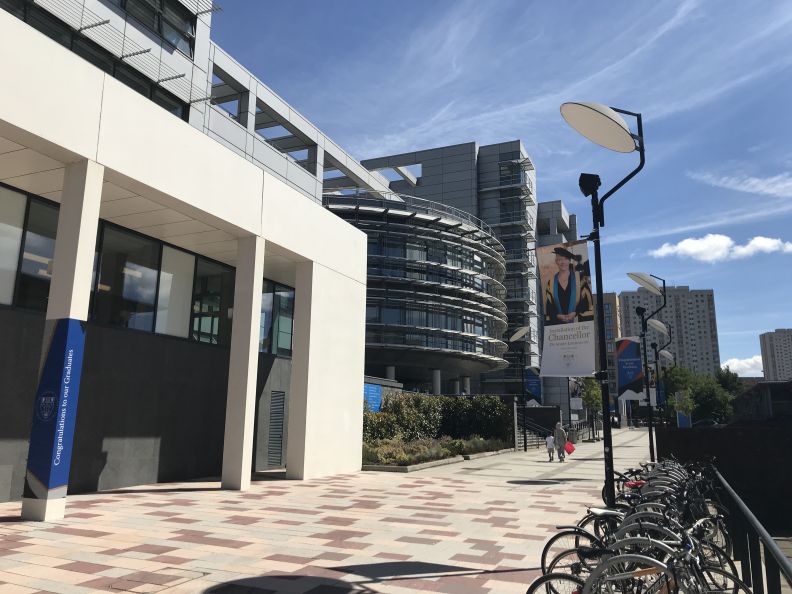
(277, 319)
(172, 21)
(213, 292)
(127, 283)
(36, 266)
(175, 292)
(12, 219)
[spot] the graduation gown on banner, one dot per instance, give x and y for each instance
(575, 298)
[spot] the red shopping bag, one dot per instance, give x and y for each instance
(569, 448)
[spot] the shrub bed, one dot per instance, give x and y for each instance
(413, 428)
(397, 452)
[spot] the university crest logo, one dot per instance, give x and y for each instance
(46, 406)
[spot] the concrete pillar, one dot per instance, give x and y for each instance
(247, 110)
(243, 365)
(328, 346)
(455, 386)
(390, 372)
(55, 408)
(316, 166)
(437, 382)
(466, 384)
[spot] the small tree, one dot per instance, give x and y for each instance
(729, 381)
(591, 392)
(710, 398)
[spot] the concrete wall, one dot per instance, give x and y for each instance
(154, 414)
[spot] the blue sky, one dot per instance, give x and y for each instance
(712, 78)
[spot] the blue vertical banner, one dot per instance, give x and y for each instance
(630, 369)
(55, 412)
(533, 385)
(372, 394)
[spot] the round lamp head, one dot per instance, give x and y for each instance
(600, 124)
(520, 333)
(646, 281)
(667, 355)
(658, 326)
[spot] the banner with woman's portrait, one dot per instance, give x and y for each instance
(568, 349)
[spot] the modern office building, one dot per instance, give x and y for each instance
(777, 354)
(612, 332)
(496, 184)
(435, 314)
(164, 253)
(689, 314)
(554, 225)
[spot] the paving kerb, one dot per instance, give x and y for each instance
(475, 526)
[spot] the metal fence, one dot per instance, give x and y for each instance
(762, 562)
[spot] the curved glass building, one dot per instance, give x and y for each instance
(435, 306)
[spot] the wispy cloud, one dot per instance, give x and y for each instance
(779, 185)
(715, 247)
(749, 367)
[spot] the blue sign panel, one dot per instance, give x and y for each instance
(372, 393)
(661, 397)
(629, 366)
(533, 385)
(55, 412)
(684, 421)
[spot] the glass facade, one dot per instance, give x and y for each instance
(139, 282)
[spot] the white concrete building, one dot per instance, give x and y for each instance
(777, 354)
(164, 254)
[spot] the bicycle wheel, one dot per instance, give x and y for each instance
(714, 556)
(629, 573)
(719, 581)
(568, 540)
(556, 583)
(578, 562)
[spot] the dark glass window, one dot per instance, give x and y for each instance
(391, 315)
(178, 27)
(49, 25)
(133, 79)
(213, 294)
(96, 55)
(373, 246)
(39, 249)
(143, 10)
(277, 319)
(15, 7)
(127, 283)
(372, 313)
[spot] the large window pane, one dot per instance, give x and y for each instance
(284, 322)
(12, 216)
(213, 296)
(36, 270)
(175, 292)
(265, 331)
(127, 280)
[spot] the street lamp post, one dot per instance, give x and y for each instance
(519, 335)
(604, 126)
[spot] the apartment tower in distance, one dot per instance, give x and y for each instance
(496, 184)
(689, 314)
(777, 354)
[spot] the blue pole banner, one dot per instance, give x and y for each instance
(630, 368)
(55, 413)
(533, 385)
(372, 394)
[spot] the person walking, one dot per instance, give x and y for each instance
(550, 447)
(559, 440)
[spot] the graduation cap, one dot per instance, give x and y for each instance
(559, 251)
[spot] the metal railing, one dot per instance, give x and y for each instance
(754, 548)
(521, 255)
(396, 201)
(148, 60)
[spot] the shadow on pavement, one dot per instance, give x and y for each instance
(387, 572)
(555, 481)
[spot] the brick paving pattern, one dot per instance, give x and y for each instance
(474, 527)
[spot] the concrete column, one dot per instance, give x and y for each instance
(466, 384)
(328, 346)
(390, 372)
(455, 386)
(55, 408)
(437, 382)
(243, 366)
(316, 161)
(247, 111)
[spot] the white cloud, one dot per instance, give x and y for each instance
(750, 367)
(715, 247)
(779, 185)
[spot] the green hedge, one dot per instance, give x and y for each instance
(411, 417)
(397, 452)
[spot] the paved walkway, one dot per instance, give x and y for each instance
(473, 527)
